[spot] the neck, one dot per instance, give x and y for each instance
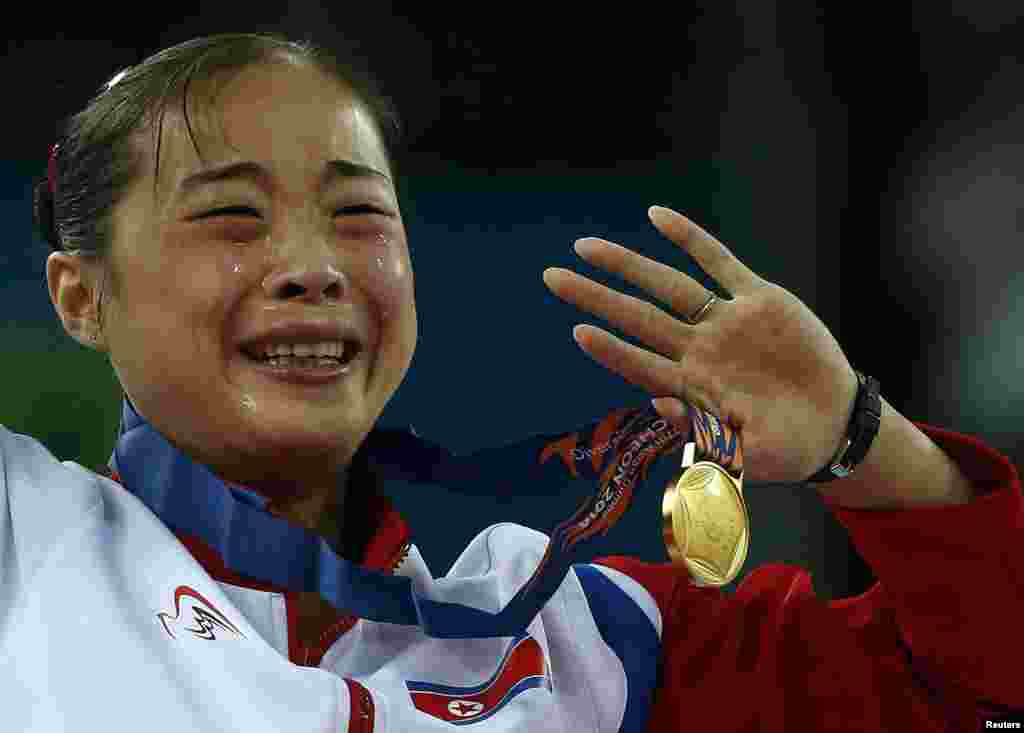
(319, 510)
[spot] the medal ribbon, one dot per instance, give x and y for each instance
(189, 498)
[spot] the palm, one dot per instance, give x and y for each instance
(761, 361)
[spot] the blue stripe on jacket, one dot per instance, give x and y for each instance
(629, 632)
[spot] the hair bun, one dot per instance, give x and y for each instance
(43, 213)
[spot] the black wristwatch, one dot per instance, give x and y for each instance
(867, 416)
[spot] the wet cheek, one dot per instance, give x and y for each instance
(233, 271)
(217, 286)
(389, 279)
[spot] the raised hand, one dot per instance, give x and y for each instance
(761, 360)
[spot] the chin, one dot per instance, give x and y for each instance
(298, 435)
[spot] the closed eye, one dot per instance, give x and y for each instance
(229, 211)
(361, 209)
(249, 211)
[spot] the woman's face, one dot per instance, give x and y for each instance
(192, 289)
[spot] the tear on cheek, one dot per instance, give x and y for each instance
(390, 281)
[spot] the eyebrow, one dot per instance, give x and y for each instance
(334, 170)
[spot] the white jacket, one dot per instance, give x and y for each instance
(107, 623)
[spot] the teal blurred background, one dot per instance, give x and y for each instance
(861, 165)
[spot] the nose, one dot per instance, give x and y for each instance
(310, 285)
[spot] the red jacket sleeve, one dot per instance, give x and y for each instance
(934, 643)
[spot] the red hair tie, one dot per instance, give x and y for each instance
(51, 171)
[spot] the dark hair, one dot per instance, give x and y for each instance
(97, 159)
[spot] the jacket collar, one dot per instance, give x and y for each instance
(388, 543)
(152, 468)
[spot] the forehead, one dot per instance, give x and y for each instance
(288, 117)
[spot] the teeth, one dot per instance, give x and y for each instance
(324, 349)
(301, 362)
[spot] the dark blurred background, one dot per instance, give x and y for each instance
(870, 162)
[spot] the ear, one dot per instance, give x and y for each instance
(72, 285)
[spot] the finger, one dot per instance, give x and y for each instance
(638, 366)
(711, 255)
(677, 290)
(636, 317)
(672, 409)
(645, 369)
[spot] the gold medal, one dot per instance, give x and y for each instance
(705, 524)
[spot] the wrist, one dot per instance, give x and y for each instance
(903, 469)
(859, 425)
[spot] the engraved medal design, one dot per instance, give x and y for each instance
(705, 523)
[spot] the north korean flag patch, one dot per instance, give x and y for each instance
(521, 668)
